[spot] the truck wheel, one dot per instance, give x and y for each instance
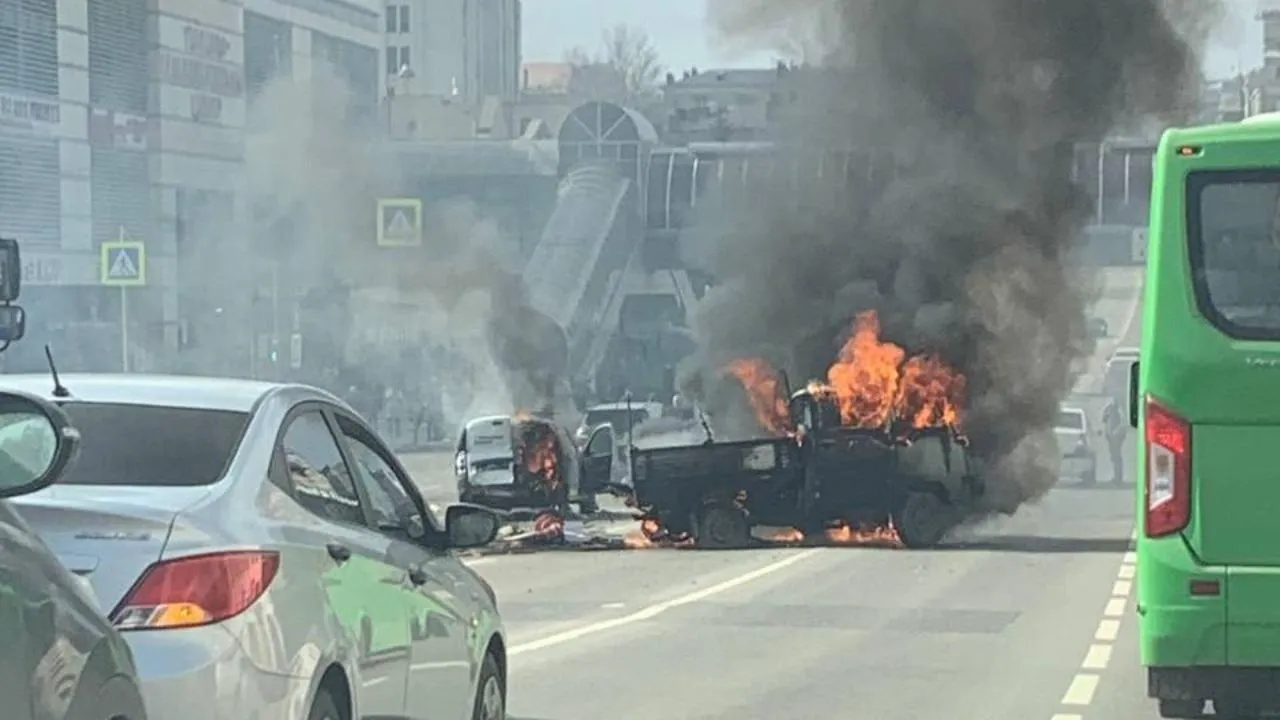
(1182, 709)
(722, 527)
(923, 520)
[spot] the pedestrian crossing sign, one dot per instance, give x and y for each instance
(124, 264)
(400, 222)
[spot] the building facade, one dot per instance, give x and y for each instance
(455, 48)
(127, 119)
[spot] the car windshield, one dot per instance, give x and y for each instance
(1069, 420)
(152, 445)
(616, 417)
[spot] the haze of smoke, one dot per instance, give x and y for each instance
(312, 182)
(967, 254)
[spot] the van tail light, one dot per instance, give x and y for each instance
(1168, 476)
(196, 590)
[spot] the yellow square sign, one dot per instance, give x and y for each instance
(400, 222)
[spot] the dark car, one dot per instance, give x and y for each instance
(62, 659)
(1098, 328)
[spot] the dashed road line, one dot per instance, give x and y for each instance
(1107, 631)
(1097, 658)
(1084, 685)
(1081, 689)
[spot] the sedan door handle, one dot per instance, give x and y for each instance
(338, 551)
(417, 576)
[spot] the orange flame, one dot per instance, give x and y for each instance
(539, 455)
(878, 535)
(866, 377)
(873, 383)
(652, 535)
(764, 393)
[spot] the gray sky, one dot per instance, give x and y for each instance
(677, 28)
(681, 36)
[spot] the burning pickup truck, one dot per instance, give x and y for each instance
(877, 450)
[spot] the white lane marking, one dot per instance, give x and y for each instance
(652, 611)
(1115, 607)
(472, 562)
(1108, 631)
(1084, 685)
(1097, 658)
(1081, 689)
(613, 605)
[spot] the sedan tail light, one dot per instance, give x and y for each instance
(197, 590)
(1168, 476)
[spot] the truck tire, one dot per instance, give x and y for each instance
(923, 520)
(723, 527)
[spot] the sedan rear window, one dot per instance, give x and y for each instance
(1070, 421)
(1233, 229)
(152, 445)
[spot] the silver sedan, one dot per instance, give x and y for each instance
(266, 556)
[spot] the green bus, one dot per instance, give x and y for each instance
(1205, 396)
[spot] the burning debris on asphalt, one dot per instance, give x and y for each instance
(548, 531)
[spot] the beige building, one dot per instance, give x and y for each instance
(455, 48)
(722, 105)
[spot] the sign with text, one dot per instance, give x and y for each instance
(205, 68)
(118, 130)
(33, 113)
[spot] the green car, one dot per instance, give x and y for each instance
(1205, 395)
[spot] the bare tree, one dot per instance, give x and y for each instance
(625, 71)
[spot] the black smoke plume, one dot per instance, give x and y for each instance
(967, 253)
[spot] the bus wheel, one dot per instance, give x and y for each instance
(1236, 710)
(923, 520)
(723, 527)
(1182, 709)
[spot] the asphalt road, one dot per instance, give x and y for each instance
(1022, 618)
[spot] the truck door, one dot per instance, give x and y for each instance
(597, 460)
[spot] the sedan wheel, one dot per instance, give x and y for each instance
(491, 705)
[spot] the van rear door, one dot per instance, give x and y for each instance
(1222, 377)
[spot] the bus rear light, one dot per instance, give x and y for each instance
(1168, 471)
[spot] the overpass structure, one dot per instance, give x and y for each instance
(617, 263)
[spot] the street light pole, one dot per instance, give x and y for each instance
(405, 73)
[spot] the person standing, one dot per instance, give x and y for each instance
(1116, 430)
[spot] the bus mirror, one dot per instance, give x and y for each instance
(1133, 394)
(10, 270)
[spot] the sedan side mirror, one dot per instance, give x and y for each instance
(470, 526)
(37, 444)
